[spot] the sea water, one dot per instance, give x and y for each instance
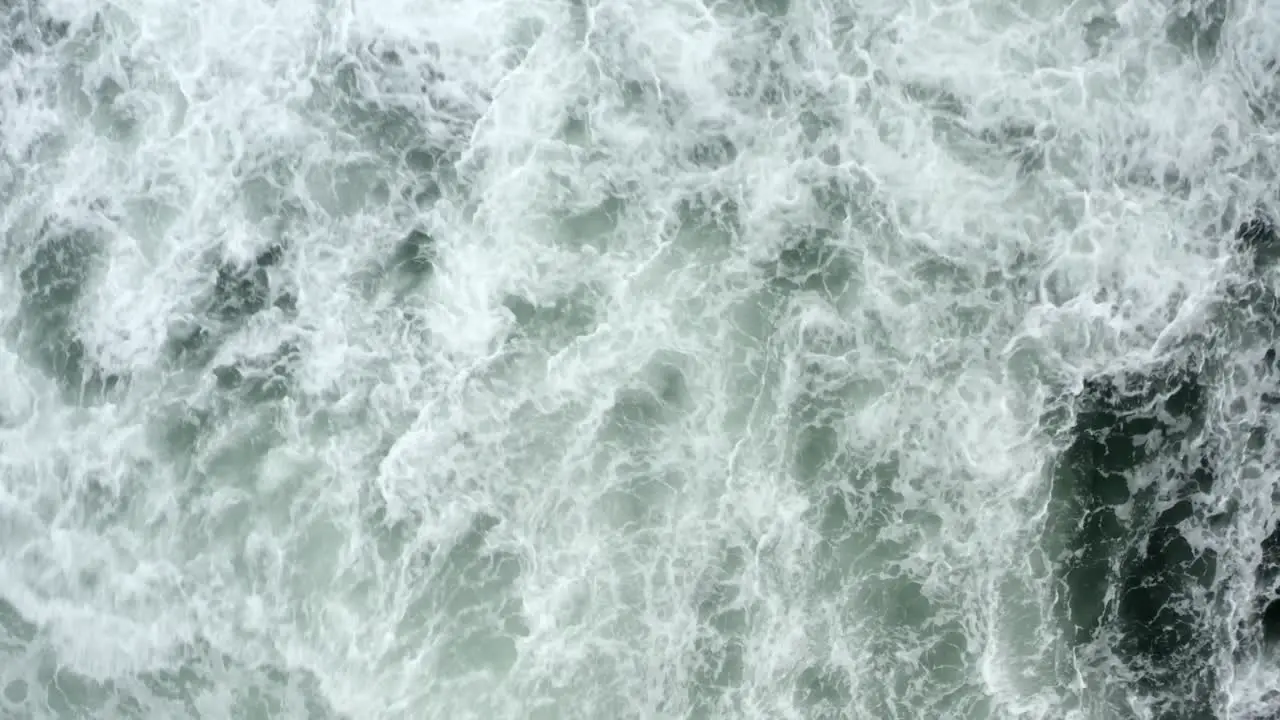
(558, 359)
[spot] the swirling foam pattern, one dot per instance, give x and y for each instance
(560, 359)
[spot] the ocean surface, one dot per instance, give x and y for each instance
(639, 359)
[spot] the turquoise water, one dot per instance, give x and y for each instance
(678, 359)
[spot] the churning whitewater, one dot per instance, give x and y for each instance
(595, 359)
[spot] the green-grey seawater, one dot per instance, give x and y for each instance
(591, 359)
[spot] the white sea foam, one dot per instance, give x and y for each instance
(616, 359)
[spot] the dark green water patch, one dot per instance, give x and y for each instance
(826, 255)
(238, 291)
(824, 691)
(260, 380)
(1259, 237)
(1024, 143)
(1161, 606)
(15, 630)
(241, 291)
(26, 28)
(1269, 585)
(814, 259)
(406, 269)
(414, 255)
(112, 109)
(373, 95)
(710, 210)
(1196, 27)
(937, 99)
(769, 8)
(1115, 434)
(766, 66)
(819, 450)
(54, 281)
(710, 152)
(1264, 97)
(1126, 491)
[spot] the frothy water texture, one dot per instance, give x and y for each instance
(600, 359)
